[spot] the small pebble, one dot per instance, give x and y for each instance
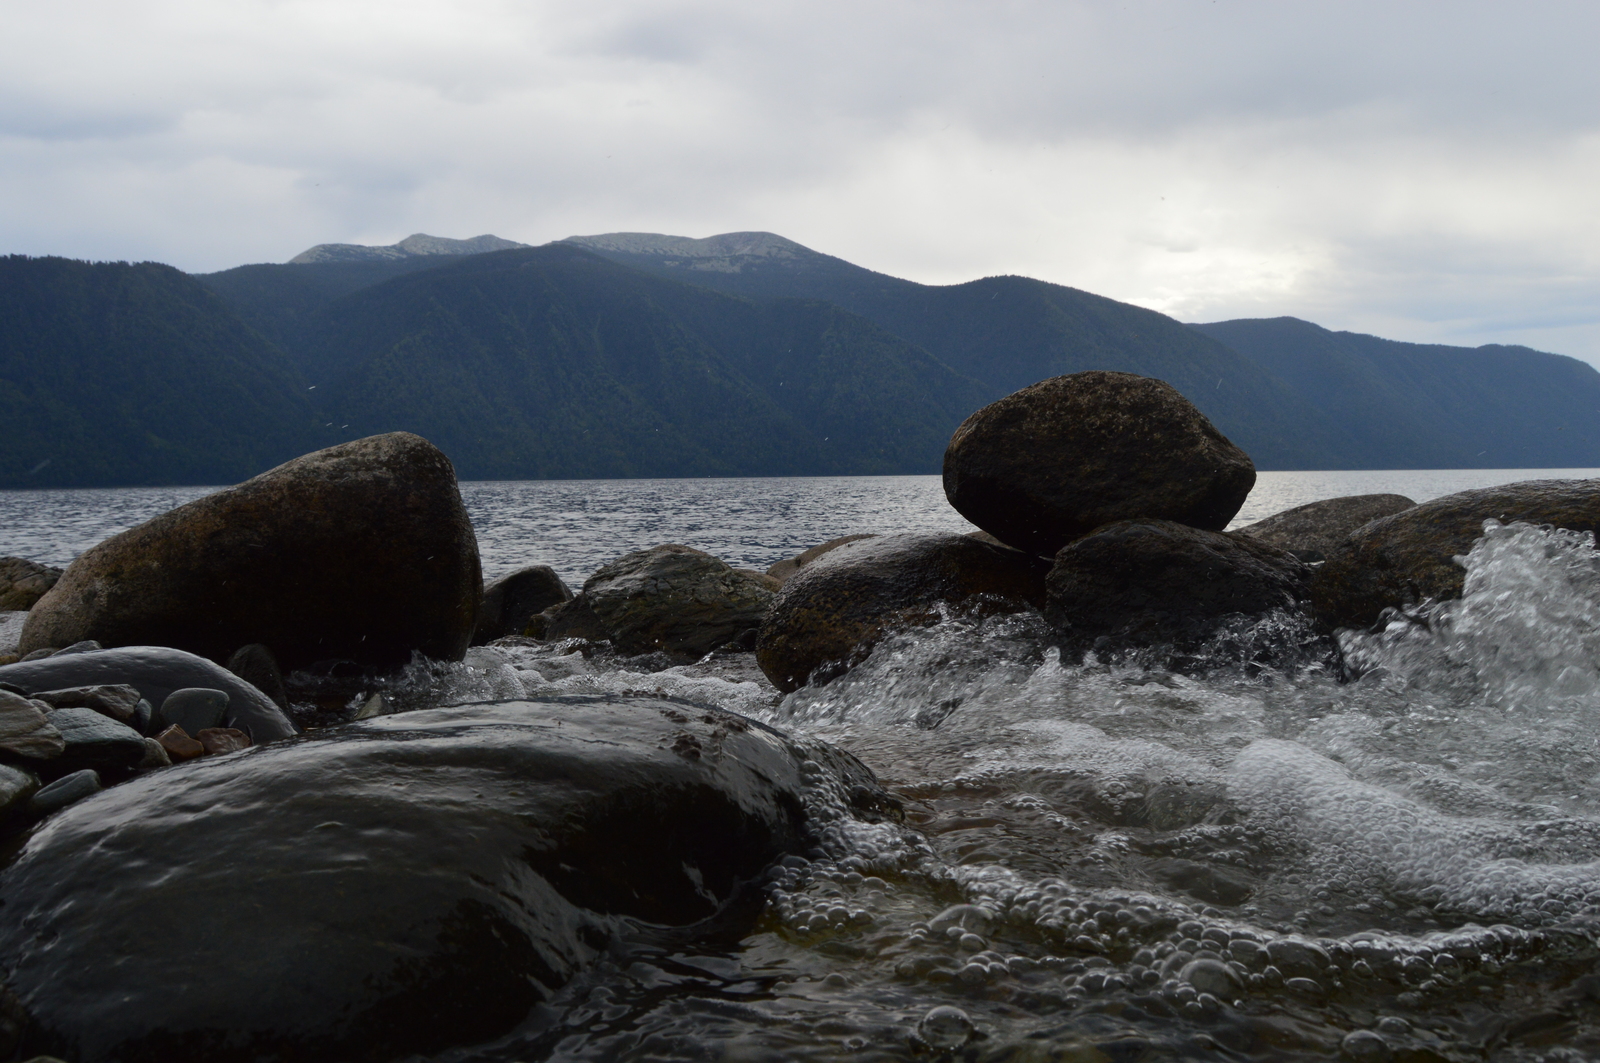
(64, 791)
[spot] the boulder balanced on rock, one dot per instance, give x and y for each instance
(361, 552)
(1056, 460)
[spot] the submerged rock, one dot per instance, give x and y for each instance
(1410, 557)
(669, 598)
(511, 601)
(1058, 459)
(422, 881)
(1311, 531)
(360, 552)
(1154, 582)
(155, 671)
(830, 614)
(24, 582)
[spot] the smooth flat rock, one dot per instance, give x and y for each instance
(832, 612)
(1311, 531)
(25, 729)
(67, 790)
(116, 700)
(1409, 557)
(156, 671)
(193, 709)
(94, 740)
(1152, 582)
(782, 570)
(359, 552)
(397, 886)
(1056, 460)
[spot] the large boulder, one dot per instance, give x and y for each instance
(516, 598)
(1158, 582)
(155, 672)
(1058, 459)
(24, 582)
(1311, 531)
(361, 552)
(669, 598)
(831, 613)
(1409, 557)
(395, 887)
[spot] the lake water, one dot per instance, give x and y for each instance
(1101, 862)
(578, 525)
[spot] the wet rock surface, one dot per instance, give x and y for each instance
(1409, 557)
(831, 613)
(1056, 460)
(155, 671)
(24, 582)
(782, 570)
(360, 552)
(1152, 582)
(672, 599)
(511, 601)
(1313, 530)
(424, 880)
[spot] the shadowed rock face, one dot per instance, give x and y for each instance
(1146, 582)
(1054, 461)
(1311, 531)
(395, 886)
(831, 612)
(672, 598)
(1410, 556)
(23, 582)
(360, 552)
(516, 598)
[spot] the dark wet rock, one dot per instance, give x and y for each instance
(672, 599)
(193, 709)
(25, 729)
(179, 745)
(1409, 557)
(219, 740)
(16, 786)
(1058, 459)
(511, 601)
(39, 654)
(155, 671)
(66, 790)
(360, 552)
(96, 741)
(782, 570)
(24, 582)
(256, 665)
(1157, 582)
(116, 700)
(830, 614)
(422, 881)
(569, 620)
(155, 756)
(1310, 531)
(82, 646)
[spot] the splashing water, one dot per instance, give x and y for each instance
(1107, 860)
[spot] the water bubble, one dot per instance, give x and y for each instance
(1364, 1046)
(946, 1028)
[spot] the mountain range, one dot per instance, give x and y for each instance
(633, 354)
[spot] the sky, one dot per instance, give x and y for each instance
(1426, 171)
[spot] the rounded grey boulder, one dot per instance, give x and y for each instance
(672, 598)
(1056, 460)
(360, 552)
(514, 599)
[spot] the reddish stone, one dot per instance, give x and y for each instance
(179, 746)
(219, 740)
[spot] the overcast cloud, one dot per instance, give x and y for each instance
(1425, 171)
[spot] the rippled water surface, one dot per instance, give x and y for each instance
(1102, 861)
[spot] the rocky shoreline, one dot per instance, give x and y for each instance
(227, 708)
